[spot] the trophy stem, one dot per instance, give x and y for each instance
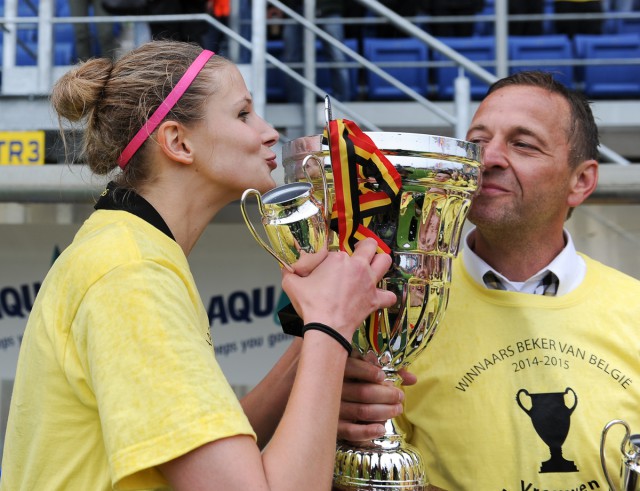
(388, 463)
(393, 438)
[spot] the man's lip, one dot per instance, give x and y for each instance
(495, 188)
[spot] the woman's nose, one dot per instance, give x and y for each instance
(270, 135)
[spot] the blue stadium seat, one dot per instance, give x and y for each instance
(27, 54)
(28, 9)
(476, 48)
(380, 50)
(323, 75)
(64, 53)
(609, 80)
(62, 8)
(63, 33)
(485, 28)
(543, 49)
(628, 26)
(548, 24)
(276, 79)
(27, 33)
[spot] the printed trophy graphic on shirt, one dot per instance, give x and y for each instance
(411, 193)
(630, 465)
(551, 418)
(294, 221)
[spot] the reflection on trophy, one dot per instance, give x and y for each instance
(630, 466)
(421, 227)
(551, 419)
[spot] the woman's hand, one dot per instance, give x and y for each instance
(341, 291)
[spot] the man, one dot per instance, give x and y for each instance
(538, 348)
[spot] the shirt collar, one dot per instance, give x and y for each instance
(118, 198)
(568, 266)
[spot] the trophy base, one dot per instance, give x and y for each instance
(376, 469)
(558, 465)
(382, 486)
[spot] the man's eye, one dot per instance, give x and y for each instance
(522, 144)
(478, 141)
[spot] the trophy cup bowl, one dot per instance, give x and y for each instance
(294, 220)
(630, 461)
(440, 176)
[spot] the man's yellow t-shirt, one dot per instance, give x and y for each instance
(515, 389)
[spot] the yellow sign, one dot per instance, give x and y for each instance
(22, 147)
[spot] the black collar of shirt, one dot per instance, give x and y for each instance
(118, 198)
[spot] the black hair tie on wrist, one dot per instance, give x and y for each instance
(331, 332)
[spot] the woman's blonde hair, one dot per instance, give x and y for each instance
(114, 99)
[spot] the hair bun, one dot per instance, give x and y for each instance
(76, 94)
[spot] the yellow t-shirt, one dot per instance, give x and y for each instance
(515, 389)
(116, 372)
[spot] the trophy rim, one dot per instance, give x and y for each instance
(287, 193)
(390, 142)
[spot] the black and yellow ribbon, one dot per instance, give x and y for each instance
(365, 183)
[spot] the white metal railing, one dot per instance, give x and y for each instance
(39, 79)
(75, 184)
(502, 61)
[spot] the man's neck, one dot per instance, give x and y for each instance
(516, 257)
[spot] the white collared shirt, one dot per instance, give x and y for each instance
(568, 266)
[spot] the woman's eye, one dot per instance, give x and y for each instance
(243, 115)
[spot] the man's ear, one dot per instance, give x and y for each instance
(584, 180)
(174, 142)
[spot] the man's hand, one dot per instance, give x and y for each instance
(368, 401)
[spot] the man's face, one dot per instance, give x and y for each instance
(524, 134)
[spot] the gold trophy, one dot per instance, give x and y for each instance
(422, 228)
(294, 221)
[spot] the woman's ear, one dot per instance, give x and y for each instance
(174, 142)
(583, 182)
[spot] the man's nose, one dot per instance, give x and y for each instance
(494, 154)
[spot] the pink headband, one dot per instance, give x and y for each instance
(164, 108)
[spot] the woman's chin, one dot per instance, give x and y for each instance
(268, 186)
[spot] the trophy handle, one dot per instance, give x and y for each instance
(575, 398)
(245, 215)
(622, 447)
(522, 391)
(325, 194)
